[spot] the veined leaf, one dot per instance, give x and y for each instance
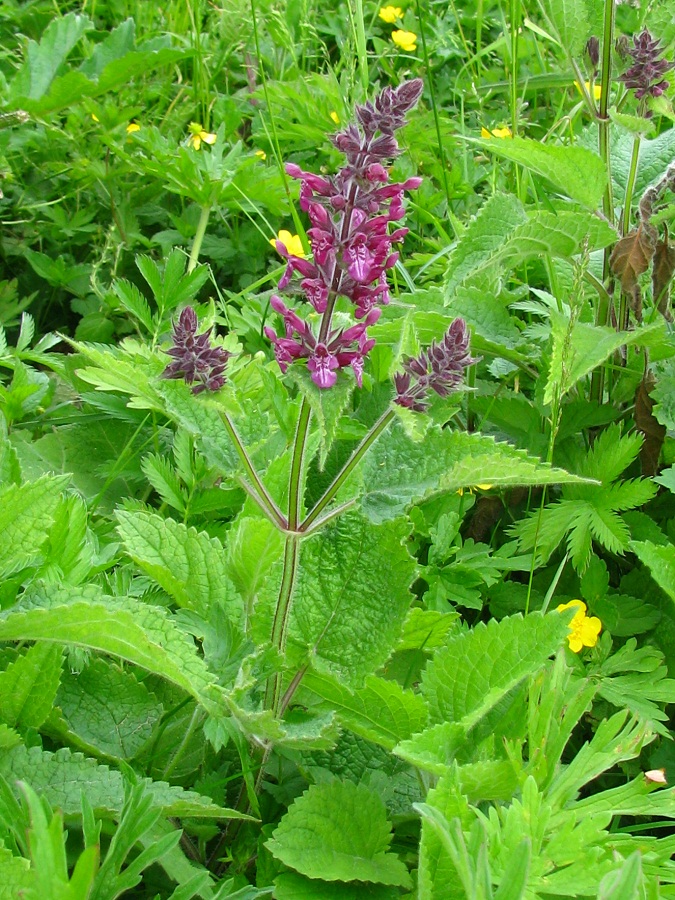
(660, 561)
(16, 877)
(327, 406)
(137, 632)
(62, 777)
(291, 886)
(43, 60)
(28, 686)
(187, 564)
(569, 21)
(253, 546)
(26, 513)
(398, 472)
(338, 831)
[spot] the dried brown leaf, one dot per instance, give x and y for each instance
(632, 255)
(662, 273)
(646, 422)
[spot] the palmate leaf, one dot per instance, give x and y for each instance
(398, 472)
(338, 831)
(28, 686)
(137, 632)
(186, 563)
(61, 778)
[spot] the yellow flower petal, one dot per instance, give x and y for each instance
(195, 141)
(406, 40)
(584, 630)
(334, 116)
(390, 14)
(208, 137)
(597, 89)
(261, 154)
(291, 242)
(95, 117)
(504, 132)
(132, 127)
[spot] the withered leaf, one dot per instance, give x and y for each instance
(646, 422)
(662, 273)
(631, 256)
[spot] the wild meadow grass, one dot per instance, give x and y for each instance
(336, 450)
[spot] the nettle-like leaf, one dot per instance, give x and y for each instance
(43, 60)
(106, 709)
(137, 632)
(253, 546)
(28, 686)
(26, 514)
(660, 560)
(398, 472)
(348, 609)
(327, 406)
(569, 21)
(338, 831)
(590, 512)
(16, 878)
(471, 674)
(63, 776)
(187, 564)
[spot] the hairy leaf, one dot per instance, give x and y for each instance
(43, 60)
(28, 686)
(26, 513)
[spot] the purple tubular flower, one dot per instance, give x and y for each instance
(645, 76)
(350, 239)
(440, 369)
(195, 360)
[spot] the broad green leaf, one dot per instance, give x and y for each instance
(438, 876)
(10, 471)
(655, 156)
(28, 686)
(187, 564)
(588, 346)
(484, 237)
(137, 632)
(338, 831)
(115, 45)
(348, 609)
(381, 711)
(253, 546)
(575, 171)
(398, 472)
(43, 60)
(108, 709)
(26, 513)
(291, 886)
(568, 20)
(61, 778)
(129, 369)
(660, 561)
(426, 629)
(625, 883)
(477, 668)
(327, 405)
(16, 878)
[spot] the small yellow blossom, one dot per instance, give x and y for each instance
(334, 116)
(481, 487)
(132, 127)
(291, 242)
(597, 89)
(261, 154)
(390, 14)
(197, 135)
(584, 630)
(95, 117)
(504, 132)
(406, 40)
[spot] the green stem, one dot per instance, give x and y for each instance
(295, 482)
(199, 237)
(348, 468)
(361, 54)
(281, 615)
(630, 187)
(265, 500)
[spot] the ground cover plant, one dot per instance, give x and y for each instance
(336, 450)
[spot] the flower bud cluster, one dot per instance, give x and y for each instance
(350, 239)
(645, 76)
(440, 369)
(195, 360)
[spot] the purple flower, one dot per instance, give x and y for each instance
(195, 360)
(440, 369)
(645, 75)
(352, 246)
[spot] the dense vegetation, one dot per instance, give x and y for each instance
(337, 450)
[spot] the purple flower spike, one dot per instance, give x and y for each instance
(645, 75)
(351, 241)
(440, 369)
(195, 360)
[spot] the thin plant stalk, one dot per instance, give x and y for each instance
(199, 237)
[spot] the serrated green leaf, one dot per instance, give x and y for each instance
(16, 878)
(69, 553)
(108, 709)
(381, 711)
(43, 60)
(338, 831)
(186, 563)
(26, 513)
(438, 877)
(569, 22)
(398, 472)
(159, 472)
(291, 886)
(134, 302)
(477, 668)
(115, 45)
(327, 406)
(28, 686)
(254, 545)
(575, 171)
(348, 609)
(660, 561)
(61, 778)
(137, 632)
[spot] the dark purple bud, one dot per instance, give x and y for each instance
(645, 75)
(593, 51)
(195, 360)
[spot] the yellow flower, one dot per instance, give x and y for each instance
(481, 487)
(504, 132)
(584, 630)
(390, 14)
(334, 116)
(291, 242)
(261, 154)
(406, 40)
(597, 89)
(197, 135)
(132, 127)
(95, 117)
